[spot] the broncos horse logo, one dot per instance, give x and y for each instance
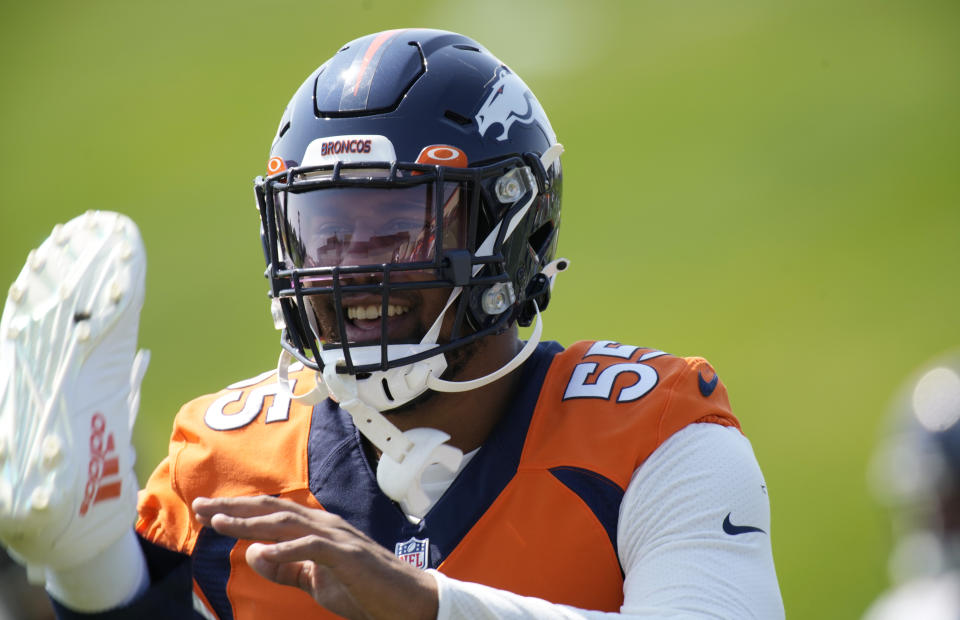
(507, 103)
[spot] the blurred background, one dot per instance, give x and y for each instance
(772, 185)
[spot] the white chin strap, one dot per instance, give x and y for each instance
(405, 455)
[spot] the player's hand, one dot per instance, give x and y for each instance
(320, 553)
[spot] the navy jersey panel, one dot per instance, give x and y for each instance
(343, 481)
(602, 495)
(211, 569)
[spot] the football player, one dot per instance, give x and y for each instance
(410, 456)
(916, 473)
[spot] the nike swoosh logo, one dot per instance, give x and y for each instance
(733, 530)
(707, 387)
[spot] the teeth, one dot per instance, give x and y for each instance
(373, 311)
(396, 310)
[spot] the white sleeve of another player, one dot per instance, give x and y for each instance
(679, 558)
(112, 578)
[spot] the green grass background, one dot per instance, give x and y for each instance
(772, 185)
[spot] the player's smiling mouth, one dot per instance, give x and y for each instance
(365, 320)
(369, 312)
(406, 320)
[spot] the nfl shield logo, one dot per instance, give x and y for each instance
(414, 551)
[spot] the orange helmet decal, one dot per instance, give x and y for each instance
(275, 165)
(443, 155)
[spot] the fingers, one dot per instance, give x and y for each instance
(244, 506)
(315, 579)
(259, 563)
(266, 518)
(304, 563)
(283, 525)
(285, 574)
(293, 566)
(315, 548)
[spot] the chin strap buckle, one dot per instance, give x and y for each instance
(538, 291)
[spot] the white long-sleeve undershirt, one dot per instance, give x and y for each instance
(677, 559)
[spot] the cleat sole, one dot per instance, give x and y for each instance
(67, 349)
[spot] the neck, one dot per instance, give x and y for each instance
(468, 417)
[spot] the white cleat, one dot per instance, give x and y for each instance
(70, 379)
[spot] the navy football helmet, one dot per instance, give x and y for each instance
(916, 471)
(410, 160)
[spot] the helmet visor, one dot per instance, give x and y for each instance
(356, 226)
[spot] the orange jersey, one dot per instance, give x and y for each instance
(534, 512)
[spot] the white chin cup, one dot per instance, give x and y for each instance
(401, 481)
(404, 455)
(387, 389)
